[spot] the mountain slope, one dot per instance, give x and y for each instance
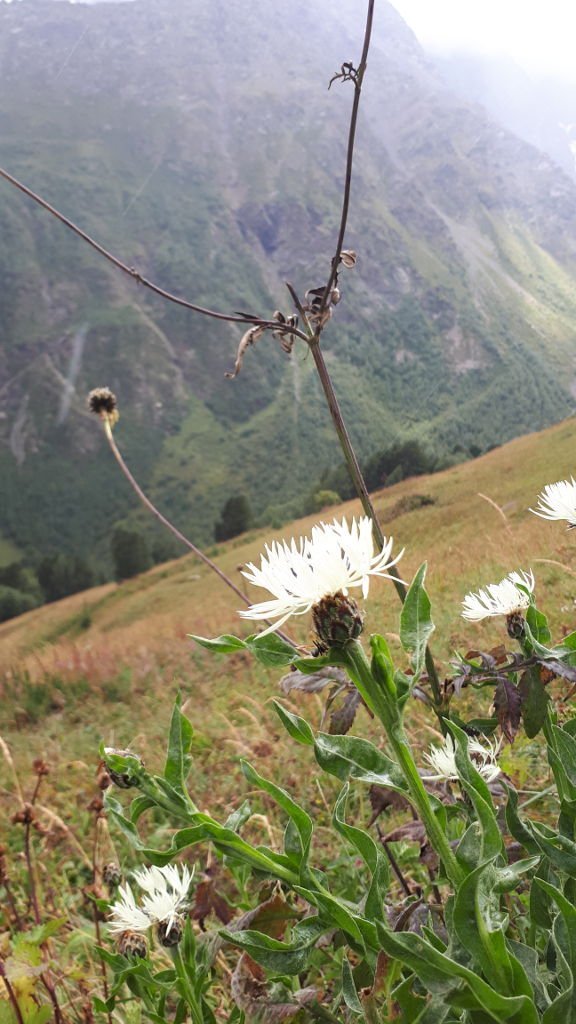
(204, 149)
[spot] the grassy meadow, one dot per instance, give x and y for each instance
(108, 663)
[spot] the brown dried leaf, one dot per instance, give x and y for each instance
(508, 706)
(270, 917)
(382, 798)
(410, 831)
(342, 719)
(208, 900)
(247, 339)
(315, 681)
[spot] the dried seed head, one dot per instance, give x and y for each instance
(348, 258)
(40, 767)
(112, 874)
(102, 402)
(337, 619)
(24, 816)
(132, 944)
(170, 933)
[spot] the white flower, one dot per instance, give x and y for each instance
(336, 557)
(558, 501)
(443, 760)
(166, 895)
(502, 598)
(166, 892)
(126, 915)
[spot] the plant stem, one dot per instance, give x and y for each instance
(187, 990)
(11, 995)
(173, 529)
(354, 656)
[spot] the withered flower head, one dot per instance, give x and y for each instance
(348, 258)
(102, 402)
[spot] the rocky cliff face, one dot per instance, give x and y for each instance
(198, 141)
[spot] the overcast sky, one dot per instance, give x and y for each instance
(540, 35)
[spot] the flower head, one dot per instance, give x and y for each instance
(166, 892)
(103, 403)
(508, 597)
(558, 501)
(126, 914)
(335, 558)
(166, 896)
(443, 760)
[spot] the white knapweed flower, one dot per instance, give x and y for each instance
(166, 896)
(335, 558)
(443, 760)
(126, 914)
(166, 892)
(504, 598)
(558, 501)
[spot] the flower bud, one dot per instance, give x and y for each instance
(132, 944)
(124, 768)
(515, 625)
(112, 874)
(170, 934)
(337, 619)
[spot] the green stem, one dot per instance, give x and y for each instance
(381, 702)
(186, 988)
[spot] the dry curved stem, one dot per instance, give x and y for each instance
(173, 529)
(357, 79)
(238, 318)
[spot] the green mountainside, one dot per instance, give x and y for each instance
(199, 143)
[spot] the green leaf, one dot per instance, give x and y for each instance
(298, 815)
(566, 749)
(534, 702)
(280, 957)
(271, 650)
(178, 760)
(350, 757)
(416, 626)
(225, 644)
(239, 817)
(480, 925)
(295, 726)
(349, 988)
(489, 837)
(538, 625)
(460, 986)
(44, 931)
(370, 852)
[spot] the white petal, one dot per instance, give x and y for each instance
(298, 575)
